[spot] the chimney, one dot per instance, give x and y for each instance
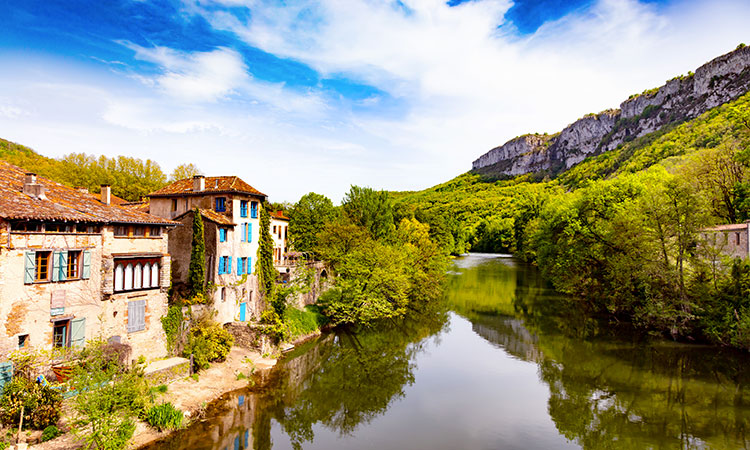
(199, 183)
(32, 188)
(106, 194)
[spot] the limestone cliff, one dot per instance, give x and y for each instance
(686, 97)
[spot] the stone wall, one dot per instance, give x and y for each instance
(722, 80)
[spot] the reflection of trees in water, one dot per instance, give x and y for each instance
(359, 376)
(610, 388)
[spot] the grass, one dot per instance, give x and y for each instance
(300, 322)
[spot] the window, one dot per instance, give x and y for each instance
(221, 204)
(223, 294)
(84, 228)
(42, 266)
(23, 340)
(121, 230)
(225, 265)
(222, 234)
(241, 266)
(136, 315)
(243, 208)
(249, 232)
(139, 231)
(134, 274)
(27, 226)
(254, 210)
(60, 334)
(174, 204)
(155, 231)
(55, 227)
(285, 230)
(274, 229)
(72, 269)
(737, 238)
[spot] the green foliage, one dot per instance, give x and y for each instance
(183, 171)
(267, 273)
(301, 322)
(50, 433)
(208, 342)
(110, 397)
(165, 417)
(371, 210)
(41, 404)
(197, 269)
(306, 218)
(172, 324)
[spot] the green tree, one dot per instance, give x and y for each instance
(307, 218)
(264, 267)
(197, 269)
(370, 209)
(184, 171)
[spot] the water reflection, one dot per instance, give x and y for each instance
(519, 367)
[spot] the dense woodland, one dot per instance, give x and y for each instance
(622, 231)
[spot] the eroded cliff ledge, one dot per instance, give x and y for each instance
(682, 98)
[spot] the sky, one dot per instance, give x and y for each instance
(297, 96)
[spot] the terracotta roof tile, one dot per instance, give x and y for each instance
(62, 202)
(211, 215)
(278, 215)
(213, 185)
(143, 207)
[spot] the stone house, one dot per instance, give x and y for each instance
(230, 209)
(730, 240)
(75, 266)
(279, 226)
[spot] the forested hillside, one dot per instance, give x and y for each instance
(130, 178)
(623, 230)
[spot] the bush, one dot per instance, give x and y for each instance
(165, 417)
(208, 342)
(41, 404)
(50, 433)
(299, 322)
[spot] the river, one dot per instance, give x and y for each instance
(505, 363)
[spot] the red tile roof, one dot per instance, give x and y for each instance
(279, 215)
(62, 203)
(214, 185)
(211, 215)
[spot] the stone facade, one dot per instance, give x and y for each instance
(722, 80)
(730, 240)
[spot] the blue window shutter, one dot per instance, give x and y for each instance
(249, 232)
(78, 332)
(29, 273)
(229, 264)
(54, 266)
(86, 265)
(221, 265)
(249, 265)
(63, 266)
(239, 266)
(244, 232)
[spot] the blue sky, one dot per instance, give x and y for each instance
(299, 95)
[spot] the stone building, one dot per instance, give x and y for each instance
(74, 266)
(230, 209)
(279, 226)
(730, 240)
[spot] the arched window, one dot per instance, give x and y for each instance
(128, 277)
(119, 278)
(138, 276)
(146, 275)
(155, 275)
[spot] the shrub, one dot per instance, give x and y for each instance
(208, 342)
(50, 433)
(41, 404)
(165, 417)
(299, 322)
(172, 324)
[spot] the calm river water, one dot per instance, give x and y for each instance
(507, 364)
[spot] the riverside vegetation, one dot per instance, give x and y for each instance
(623, 231)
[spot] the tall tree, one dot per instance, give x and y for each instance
(370, 209)
(184, 171)
(197, 270)
(307, 218)
(266, 272)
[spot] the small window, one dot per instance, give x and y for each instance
(23, 340)
(222, 234)
(139, 231)
(223, 294)
(42, 266)
(136, 315)
(60, 334)
(221, 204)
(155, 231)
(254, 210)
(274, 229)
(174, 204)
(243, 208)
(121, 230)
(737, 238)
(73, 269)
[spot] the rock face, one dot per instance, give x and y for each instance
(682, 98)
